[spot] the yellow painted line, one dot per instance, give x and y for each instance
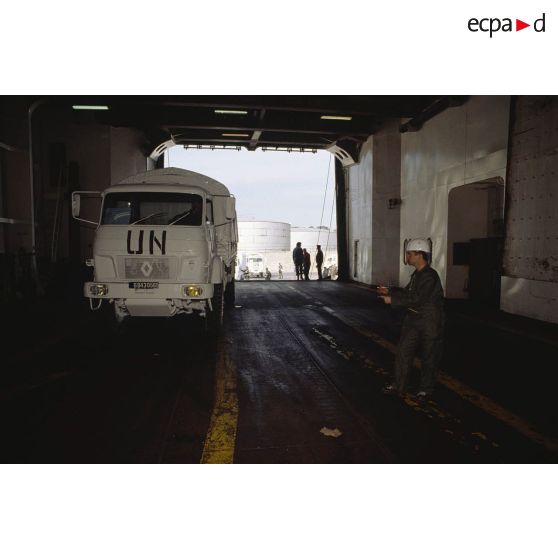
(221, 435)
(496, 410)
(465, 392)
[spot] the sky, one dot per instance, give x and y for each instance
(269, 185)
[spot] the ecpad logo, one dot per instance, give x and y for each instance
(492, 25)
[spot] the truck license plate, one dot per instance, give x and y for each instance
(143, 285)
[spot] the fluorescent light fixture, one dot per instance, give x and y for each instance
(90, 107)
(236, 135)
(332, 117)
(230, 111)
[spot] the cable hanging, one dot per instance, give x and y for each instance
(323, 206)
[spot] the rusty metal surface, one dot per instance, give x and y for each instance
(531, 247)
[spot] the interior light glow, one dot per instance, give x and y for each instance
(90, 107)
(230, 111)
(333, 117)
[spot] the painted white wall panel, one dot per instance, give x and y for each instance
(360, 214)
(461, 145)
(534, 299)
(386, 219)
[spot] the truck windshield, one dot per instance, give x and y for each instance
(152, 208)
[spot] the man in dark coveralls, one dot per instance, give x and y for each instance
(423, 326)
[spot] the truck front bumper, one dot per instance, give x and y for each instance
(147, 299)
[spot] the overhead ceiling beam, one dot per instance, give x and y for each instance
(254, 141)
(246, 143)
(257, 133)
(366, 105)
(267, 128)
(207, 135)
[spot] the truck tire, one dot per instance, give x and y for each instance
(214, 318)
(230, 293)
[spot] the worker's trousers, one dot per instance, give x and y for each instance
(420, 336)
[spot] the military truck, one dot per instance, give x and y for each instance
(165, 245)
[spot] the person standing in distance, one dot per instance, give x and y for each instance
(319, 261)
(423, 325)
(307, 263)
(298, 260)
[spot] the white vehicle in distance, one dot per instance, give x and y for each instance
(255, 263)
(250, 266)
(165, 245)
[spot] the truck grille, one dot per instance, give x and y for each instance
(146, 268)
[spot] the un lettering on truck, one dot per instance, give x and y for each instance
(165, 244)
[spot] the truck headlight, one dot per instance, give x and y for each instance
(193, 290)
(98, 289)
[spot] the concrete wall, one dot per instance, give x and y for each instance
(530, 278)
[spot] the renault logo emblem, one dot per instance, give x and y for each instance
(146, 269)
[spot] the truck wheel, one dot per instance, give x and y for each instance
(214, 318)
(230, 293)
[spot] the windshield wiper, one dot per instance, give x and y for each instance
(180, 216)
(149, 217)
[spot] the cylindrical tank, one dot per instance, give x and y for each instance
(263, 236)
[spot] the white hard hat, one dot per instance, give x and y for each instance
(418, 245)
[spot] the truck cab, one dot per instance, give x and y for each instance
(165, 244)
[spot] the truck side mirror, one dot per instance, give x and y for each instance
(230, 211)
(76, 204)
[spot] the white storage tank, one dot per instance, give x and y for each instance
(267, 236)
